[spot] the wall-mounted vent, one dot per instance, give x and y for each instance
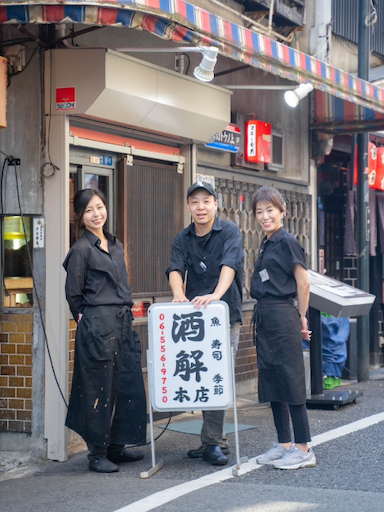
(277, 161)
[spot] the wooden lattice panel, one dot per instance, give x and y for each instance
(235, 203)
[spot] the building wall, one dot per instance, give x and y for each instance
(16, 341)
(21, 368)
(269, 106)
(22, 137)
(344, 55)
(317, 38)
(25, 138)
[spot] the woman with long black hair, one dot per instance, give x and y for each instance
(107, 406)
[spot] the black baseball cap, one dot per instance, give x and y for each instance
(202, 184)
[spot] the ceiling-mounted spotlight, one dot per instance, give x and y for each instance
(204, 71)
(292, 98)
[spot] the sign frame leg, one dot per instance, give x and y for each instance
(155, 467)
(239, 460)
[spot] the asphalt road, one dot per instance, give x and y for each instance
(349, 476)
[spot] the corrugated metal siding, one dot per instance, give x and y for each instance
(155, 216)
(345, 23)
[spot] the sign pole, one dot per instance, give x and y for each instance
(155, 467)
(239, 461)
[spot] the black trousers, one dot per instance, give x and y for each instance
(299, 416)
(95, 452)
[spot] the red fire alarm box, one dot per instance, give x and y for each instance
(258, 142)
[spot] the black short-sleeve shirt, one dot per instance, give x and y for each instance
(96, 277)
(203, 258)
(273, 275)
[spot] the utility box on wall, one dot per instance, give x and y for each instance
(258, 142)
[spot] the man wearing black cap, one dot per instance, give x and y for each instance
(210, 249)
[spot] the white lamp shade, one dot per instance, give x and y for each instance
(293, 97)
(204, 71)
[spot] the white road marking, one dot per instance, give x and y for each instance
(167, 495)
(348, 429)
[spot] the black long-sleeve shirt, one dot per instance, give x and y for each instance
(94, 276)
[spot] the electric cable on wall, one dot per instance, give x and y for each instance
(1, 227)
(49, 161)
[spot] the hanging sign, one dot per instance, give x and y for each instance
(258, 137)
(190, 365)
(379, 181)
(227, 140)
(372, 162)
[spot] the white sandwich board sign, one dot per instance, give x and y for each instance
(190, 365)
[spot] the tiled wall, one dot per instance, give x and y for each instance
(246, 355)
(350, 270)
(16, 335)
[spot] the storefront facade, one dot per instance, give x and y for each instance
(137, 130)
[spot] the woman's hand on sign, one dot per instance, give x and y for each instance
(305, 333)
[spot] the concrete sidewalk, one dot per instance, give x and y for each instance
(16, 464)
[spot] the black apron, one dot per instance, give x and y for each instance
(279, 353)
(107, 403)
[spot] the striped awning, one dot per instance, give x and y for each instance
(181, 21)
(334, 115)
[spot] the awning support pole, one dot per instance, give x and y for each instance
(363, 205)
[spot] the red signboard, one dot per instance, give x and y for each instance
(379, 181)
(372, 161)
(257, 142)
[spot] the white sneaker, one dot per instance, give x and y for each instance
(272, 455)
(295, 459)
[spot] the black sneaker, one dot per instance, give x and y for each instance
(198, 453)
(124, 455)
(102, 465)
(214, 456)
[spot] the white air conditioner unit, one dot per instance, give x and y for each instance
(277, 160)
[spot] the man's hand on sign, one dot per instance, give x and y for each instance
(179, 297)
(204, 300)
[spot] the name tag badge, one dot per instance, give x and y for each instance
(264, 276)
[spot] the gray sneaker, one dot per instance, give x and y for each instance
(296, 459)
(272, 455)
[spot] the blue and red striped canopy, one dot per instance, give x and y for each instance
(181, 21)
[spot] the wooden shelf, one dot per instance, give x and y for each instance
(16, 285)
